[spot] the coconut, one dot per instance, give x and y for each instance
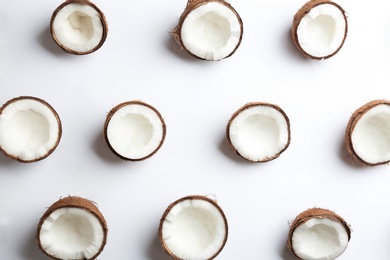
(209, 29)
(319, 29)
(134, 130)
(259, 132)
(78, 27)
(72, 228)
(318, 234)
(193, 227)
(367, 135)
(30, 129)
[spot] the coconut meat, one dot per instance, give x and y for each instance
(211, 31)
(78, 27)
(71, 233)
(322, 30)
(259, 133)
(28, 129)
(319, 239)
(194, 229)
(135, 131)
(371, 135)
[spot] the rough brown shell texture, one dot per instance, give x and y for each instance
(134, 102)
(191, 197)
(54, 113)
(102, 19)
(354, 119)
(192, 5)
(315, 213)
(304, 10)
(74, 202)
(253, 104)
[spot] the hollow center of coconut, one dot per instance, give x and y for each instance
(78, 27)
(371, 135)
(259, 133)
(211, 31)
(135, 131)
(71, 233)
(28, 129)
(321, 31)
(320, 238)
(194, 230)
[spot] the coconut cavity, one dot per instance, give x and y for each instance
(78, 27)
(134, 130)
(209, 30)
(30, 129)
(318, 234)
(193, 227)
(319, 29)
(72, 228)
(368, 133)
(259, 132)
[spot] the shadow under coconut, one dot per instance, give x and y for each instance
(289, 45)
(46, 41)
(286, 253)
(30, 248)
(347, 158)
(155, 251)
(101, 148)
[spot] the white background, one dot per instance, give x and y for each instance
(140, 61)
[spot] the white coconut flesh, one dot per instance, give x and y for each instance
(194, 229)
(78, 27)
(259, 133)
(319, 239)
(211, 31)
(71, 233)
(371, 135)
(29, 129)
(135, 131)
(322, 30)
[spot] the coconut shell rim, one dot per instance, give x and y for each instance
(74, 202)
(121, 105)
(102, 18)
(191, 6)
(315, 213)
(250, 105)
(56, 115)
(353, 120)
(305, 9)
(192, 197)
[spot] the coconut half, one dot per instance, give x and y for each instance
(367, 135)
(78, 27)
(134, 130)
(30, 129)
(318, 234)
(193, 227)
(259, 132)
(72, 228)
(209, 30)
(319, 29)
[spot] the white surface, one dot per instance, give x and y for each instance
(196, 98)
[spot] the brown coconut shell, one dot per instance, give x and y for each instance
(74, 202)
(121, 105)
(54, 113)
(304, 10)
(354, 119)
(314, 213)
(192, 5)
(102, 19)
(191, 197)
(254, 104)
